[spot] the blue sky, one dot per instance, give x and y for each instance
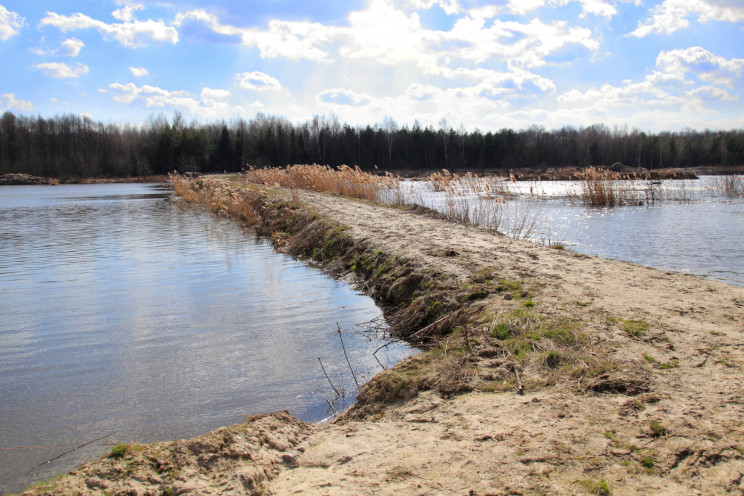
(651, 65)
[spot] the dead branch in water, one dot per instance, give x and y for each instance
(329, 380)
(346, 356)
(70, 451)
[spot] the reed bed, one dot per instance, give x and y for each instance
(344, 181)
(223, 198)
(730, 186)
(483, 201)
(604, 188)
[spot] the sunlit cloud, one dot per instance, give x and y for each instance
(10, 23)
(131, 33)
(9, 101)
(60, 70)
(139, 71)
(257, 81)
(673, 15)
(71, 47)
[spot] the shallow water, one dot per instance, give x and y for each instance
(694, 229)
(122, 313)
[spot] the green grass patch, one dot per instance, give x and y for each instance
(635, 328)
(600, 488)
(119, 451)
(501, 331)
(657, 429)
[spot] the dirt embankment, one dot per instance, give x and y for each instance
(548, 372)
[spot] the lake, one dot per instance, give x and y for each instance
(123, 313)
(693, 228)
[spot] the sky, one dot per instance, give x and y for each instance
(664, 65)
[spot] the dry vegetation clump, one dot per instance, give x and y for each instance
(346, 181)
(731, 186)
(483, 201)
(223, 198)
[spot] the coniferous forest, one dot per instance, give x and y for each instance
(73, 146)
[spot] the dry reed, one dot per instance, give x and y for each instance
(344, 181)
(226, 199)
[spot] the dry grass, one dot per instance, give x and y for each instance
(344, 181)
(605, 188)
(731, 186)
(223, 198)
(482, 201)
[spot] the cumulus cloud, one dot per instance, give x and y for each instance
(212, 94)
(139, 71)
(9, 101)
(130, 33)
(257, 81)
(340, 96)
(208, 104)
(673, 15)
(704, 64)
(60, 70)
(674, 87)
(10, 23)
(281, 39)
(71, 47)
(126, 13)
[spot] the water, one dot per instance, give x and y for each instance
(693, 229)
(120, 312)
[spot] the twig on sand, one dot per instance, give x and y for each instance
(70, 451)
(346, 356)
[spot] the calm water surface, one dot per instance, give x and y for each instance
(702, 234)
(120, 312)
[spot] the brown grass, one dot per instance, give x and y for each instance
(344, 181)
(226, 199)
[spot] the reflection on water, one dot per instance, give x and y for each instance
(702, 234)
(122, 313)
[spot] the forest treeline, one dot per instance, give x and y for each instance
(71, 145)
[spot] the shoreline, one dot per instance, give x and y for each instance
(546, 371)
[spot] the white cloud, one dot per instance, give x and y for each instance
(10, 23)
(257, 81)
(61, 70)
(594, 7)
(340, 96)
(139, 71)
(126, 13)
(672, 15)
(9, 101)
(704, 64)
(212, 94)
(668, 91)
(207, 105)
(281, 39)
(71, 47)
(131, 33)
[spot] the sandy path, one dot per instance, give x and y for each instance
(558, 440)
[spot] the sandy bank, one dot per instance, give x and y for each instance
(631, 377)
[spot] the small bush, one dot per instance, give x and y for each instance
(647, 462)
